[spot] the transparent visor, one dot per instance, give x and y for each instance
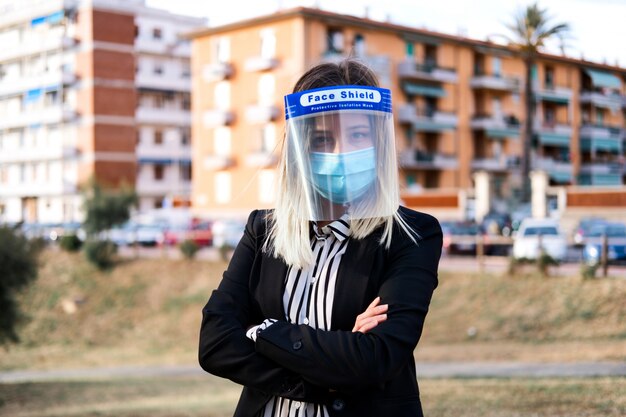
(342, 162)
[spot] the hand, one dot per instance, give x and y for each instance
(371, 317)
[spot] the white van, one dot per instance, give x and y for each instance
(533, 231)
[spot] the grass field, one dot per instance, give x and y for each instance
(148, 312)
(212, 397)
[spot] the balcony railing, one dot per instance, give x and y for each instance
(218, 117)
(19, 84)
(260, 113)
(260, 63)
(495, 164)
(44, 115)
(426, 160)
(217, 71)
(496, 127)
(30, 154)
(217, 162)
(495, 82)
(261, 159)
(427, 120)
(610, 101)
(160, 116)
(166, 151)
(559, 95)
(36, 46)
(409, 69)
(595, 131)
(159, 82)
(553, 134)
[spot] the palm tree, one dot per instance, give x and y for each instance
(530, 29)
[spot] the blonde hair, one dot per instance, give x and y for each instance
(289, 224)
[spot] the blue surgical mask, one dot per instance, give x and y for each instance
(343, 177)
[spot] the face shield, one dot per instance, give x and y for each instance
(340, 152)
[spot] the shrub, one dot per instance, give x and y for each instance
(589, 271)
(189, 248)
(18, 268)
(70, 243)
(100, 253)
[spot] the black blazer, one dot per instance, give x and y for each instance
(353, 374)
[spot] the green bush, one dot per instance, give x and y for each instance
(100, 253)
(18, 268)
(589, 271)
(70, 243)
(189, 248)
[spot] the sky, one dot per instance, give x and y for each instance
(597, 26)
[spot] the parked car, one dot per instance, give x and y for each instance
(459, 237)
(495, 223)
(130, 233)
(616, 242)
(532, 232)
(583, 228)
(199, 231)
(227, 232)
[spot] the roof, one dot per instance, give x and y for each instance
(407, 32)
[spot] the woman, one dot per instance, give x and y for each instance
(324, 300)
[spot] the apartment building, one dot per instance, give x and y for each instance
(458, 106)
(91, 89)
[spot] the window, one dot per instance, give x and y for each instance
(157, 33)
(222, 141)
(410, 49)
(496, 66)
(265, 89)
(266, 186)
(185, 71)
(221, 50)
(186, 101)
(158, 68)
(158, 137)
(268, 140)
(430, 56)
(185, 136)
(599, 116)
(550, 115)
(359, 45)
(222, 187)
(268, 44)
(549, 78)
(221, 95)
(335, 40)
(185, 172)
(159, 171)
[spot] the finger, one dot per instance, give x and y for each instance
(373, 303)
(370, 324)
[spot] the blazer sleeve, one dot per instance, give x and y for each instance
(348, 361)
(225, 350)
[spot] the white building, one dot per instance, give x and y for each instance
(91, 89)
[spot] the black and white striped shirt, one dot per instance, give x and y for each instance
(308, 299)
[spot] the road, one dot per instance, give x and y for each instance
(424, 370)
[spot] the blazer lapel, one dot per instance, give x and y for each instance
(272, 287)
(353, 277)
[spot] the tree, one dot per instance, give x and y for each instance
(18, 268)
(105, 209)
(530, 29)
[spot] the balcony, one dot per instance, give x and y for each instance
(217, 162)
(427, 72)
(496, 127)
(36, 46)
(217, 117)
(160, 82)
(261, 159)
(495, 82)
(260, 63)
(217, 71)
(553, 134)
(498, 164)
(427, 120)
(259, 113)
(601, 138)
(601, 174)
(36, 116)
(558, 95)
(26, 83)
(608, 101)
(166, 151)
(163, 116)
(415, 159)
(146, 185)
(38, 188)
(559, 171)
(32, 154)
(160, 47)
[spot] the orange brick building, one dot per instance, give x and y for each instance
(458, 106)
